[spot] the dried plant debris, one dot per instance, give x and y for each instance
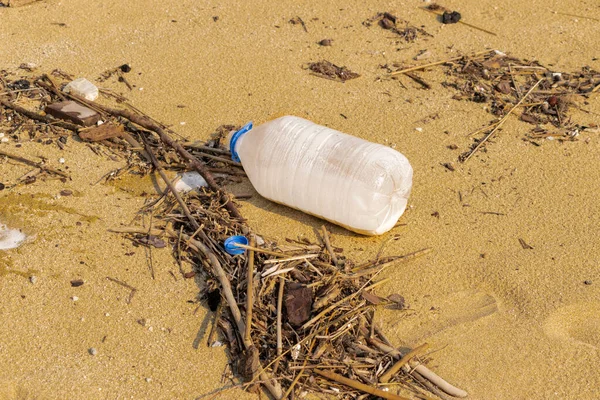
(32, 109)
(500, 82)
(328, 70)
(402, 28)
(297, 316)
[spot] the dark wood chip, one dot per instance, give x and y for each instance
(298, 303)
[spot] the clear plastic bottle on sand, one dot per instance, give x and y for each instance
(351, 182)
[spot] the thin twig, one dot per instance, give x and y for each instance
(249, 292)
(489, 135)
(399, 364)
(34, 164)
(461, 22)
(358, 385)
(403, 71)
(279, 313)
(328, 245)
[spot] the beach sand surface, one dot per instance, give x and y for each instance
(505, 322)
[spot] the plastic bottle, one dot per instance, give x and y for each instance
(351, 182)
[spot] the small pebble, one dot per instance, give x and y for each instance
(587, 282)
(326, 42)
(61, 160)
(182, 123)
(107, 315)
(67, 192)
(148, 380)
(33, 279)
(419, 129)
(77, 282)
(4, 140)
(93, 351)
(125, 68)
(450, 17)
(74, 298)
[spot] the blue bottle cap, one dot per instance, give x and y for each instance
(232, 241)
(234, 139)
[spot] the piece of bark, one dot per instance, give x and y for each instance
(74, 112)
(298, 303)
(102, 132)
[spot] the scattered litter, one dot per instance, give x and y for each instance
(82, 87)
(394, 24)
(189, 181)
(328, 70)
(10, 238)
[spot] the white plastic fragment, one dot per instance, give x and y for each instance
(189, 181)
(10, 238)
(82, 87)
(295, 352)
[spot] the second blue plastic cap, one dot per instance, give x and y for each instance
(231, 242)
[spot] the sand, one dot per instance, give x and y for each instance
(506, 322)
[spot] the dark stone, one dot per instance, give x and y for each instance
(450, 17)
(21, 84)
(298, 303)
(326, 42)
(76, 282)
(125, 68)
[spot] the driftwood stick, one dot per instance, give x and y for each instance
(203, 147)
(34, 164)
(500, 123)
(440, 382)
(279, 313)
(249, 292)
(39, 117)
(385, 378)
(358, 385)
(328, 246)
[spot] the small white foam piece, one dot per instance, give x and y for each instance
(10, 238)
(190, 181)
(82, 87)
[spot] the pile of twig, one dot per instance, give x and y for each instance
(297, 317)
(508, 85)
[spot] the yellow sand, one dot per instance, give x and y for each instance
(507, 323)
